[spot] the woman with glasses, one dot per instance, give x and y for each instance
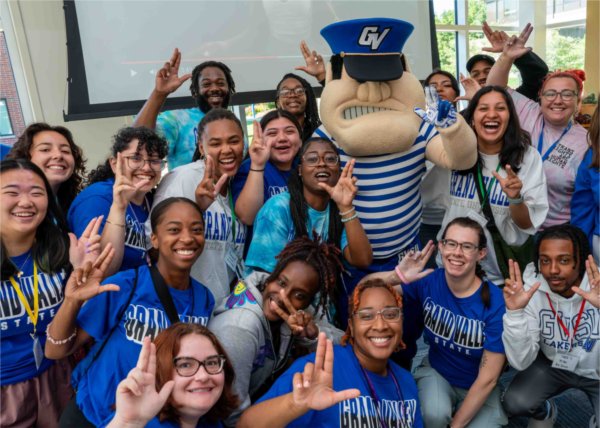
(183, 379)
(319, 202)
(119, 312)
(554, 133)
(121, 190)
(373, 390)
(296, 96)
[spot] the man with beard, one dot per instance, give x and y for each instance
(553, 309)
(212, 86)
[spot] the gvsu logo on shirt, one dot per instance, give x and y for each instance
(361, 412)
(372, 37)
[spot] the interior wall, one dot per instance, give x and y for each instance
(592, 53)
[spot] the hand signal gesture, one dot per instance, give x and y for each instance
(593, 295)
(86, 249)
(315, 66)
(496, 38)
(137, 399)
(301, 323)
(124, 190)
(260, 149)
(515, 296)
(84, 283)
(514, 47)
(439, 113)
(412, 265)
(471, 87)
(345, 189)
(313, 389)
(167, 78)
(511, 185)
(207, 190)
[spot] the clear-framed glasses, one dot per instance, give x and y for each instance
(137, 162)
(565, 94)
(466, 247)
(393, 314)
(290, 92)
(312, 159)
(188, 366)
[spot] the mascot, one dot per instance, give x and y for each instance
(372, 107)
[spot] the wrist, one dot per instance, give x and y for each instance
(516, 200)
(120, 422)
(400, 275)
(296, 409)
(159, 95)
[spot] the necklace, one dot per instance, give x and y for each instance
(20, 269)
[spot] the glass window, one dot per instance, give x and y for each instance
(444, 12)
(565, 47)
(447, 49)
(5, 124)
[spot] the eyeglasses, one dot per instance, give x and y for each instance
(289, 92)
(565, 94)
(466, 247)
(387, 314)
(188, 366)
(137, 162)
(312, 159)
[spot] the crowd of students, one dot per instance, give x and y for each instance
(130, 298)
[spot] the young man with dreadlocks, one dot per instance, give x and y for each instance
(259, 322)
(212, 87)
(553, 308)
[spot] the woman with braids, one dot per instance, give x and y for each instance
(295, 95)
(259, 322)
(319, 202)
(121, 191)
(461, 312)
(373, 390)
(54, 151)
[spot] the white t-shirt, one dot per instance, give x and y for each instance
(435, 194)
(464, 202)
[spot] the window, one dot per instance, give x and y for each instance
(5, 124)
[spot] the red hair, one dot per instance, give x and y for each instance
(577, 75)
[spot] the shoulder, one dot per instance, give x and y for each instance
(98, 189)
(278, 202)
(194, 169)
(127, 278)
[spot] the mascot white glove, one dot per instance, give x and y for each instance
(440, 113)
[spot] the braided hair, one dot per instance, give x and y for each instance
(568, 232)
(311, 111)
(195, 84)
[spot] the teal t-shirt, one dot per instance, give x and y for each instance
(180, 129)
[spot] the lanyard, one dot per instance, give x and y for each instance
(553, 146)
(562, 324)
(485, 193)
(33, 315)
(374, 394)
(233, 217)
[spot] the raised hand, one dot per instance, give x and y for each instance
(345, 189)
(124, 190)
(315, 66)
(496, 38)
(313, 389)
(412, 266)
(137, 399)
(260, 149)
(471, 87)
(514, 47)
(301, 323)
(593, 295)
(207, 190)
(439, 113)
(515, 296)
(167, 78)
(86, 249)
(511, 185)
(84, 282)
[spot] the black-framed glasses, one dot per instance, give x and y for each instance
(289, 92)
(188, 366)
(137, 162)
(466, 247)
(565, 94)
(312, 159)
(393, 314)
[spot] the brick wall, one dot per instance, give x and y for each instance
(8, 90)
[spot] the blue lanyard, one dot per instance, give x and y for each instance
(553, 146)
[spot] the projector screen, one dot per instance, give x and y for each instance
(115, 48)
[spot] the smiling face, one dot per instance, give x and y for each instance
(223, 141)
(285, 142)
(480, 71)
(558, 111)
(458, 263)
(214, 90)
(490, 120)
(194, 396)
(52, 153)
(443, 86)
(300, 283)
(24, 203)
(372, 118)
(144, 172)
(558, 265)
(320, 172)
(376, 340)
(295, 104)
(179, 236)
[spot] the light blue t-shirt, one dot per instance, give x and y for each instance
(274, 229)
(180, 129)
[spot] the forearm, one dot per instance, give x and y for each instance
(117, 422)
(455, 147)
(476, 397)
(251, 198)
(114, 233)
(358, 252)
(150, 110)
(520, 215)
(62, 327)
(273, 413)
(499, 73)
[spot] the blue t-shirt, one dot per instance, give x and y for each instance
(180, 129)
(398, 405)
(4, 150)
(155, 423)
(274, 180)
(274, 229)
(457, 329)
(94, 201)
(16, 344)
(144, 316)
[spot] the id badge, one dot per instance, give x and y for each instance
(38, 352)
(565, 362)
(473, 215)
(232, 259)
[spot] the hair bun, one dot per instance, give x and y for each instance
(577, 72)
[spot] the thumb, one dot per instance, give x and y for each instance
(326, 187)
(344, 395)
(72, 240)
(486, 49)
(166, 390)
(219, 185)
(301, 68)
(185, 77)
(533, 289)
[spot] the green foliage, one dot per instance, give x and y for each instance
(564, 52)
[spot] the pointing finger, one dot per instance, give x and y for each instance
(219, 185)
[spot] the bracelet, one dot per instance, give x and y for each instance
(346, 220)
(257, 170)
(400, 275)
(515, 201)
(56, 341)
(116, 224)
(348, 212)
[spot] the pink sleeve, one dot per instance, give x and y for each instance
(529, 112)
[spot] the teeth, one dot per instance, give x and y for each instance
(379, 339)
(23, 214)
(227, 161)
(144, 177)
(200, 390)
(56, 167)
(357, 111)
(185, 252)
(322, 174)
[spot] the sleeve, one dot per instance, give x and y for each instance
(583, 211)
(493, 324)
(533, 69)
(528, 111)
(521, 336)
(167, 125)
(88, 207)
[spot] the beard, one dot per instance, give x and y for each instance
(205, 107)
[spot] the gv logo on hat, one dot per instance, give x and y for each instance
(371, 36)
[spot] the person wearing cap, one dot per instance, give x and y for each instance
(368, 106)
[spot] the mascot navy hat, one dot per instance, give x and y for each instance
(371, 47)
